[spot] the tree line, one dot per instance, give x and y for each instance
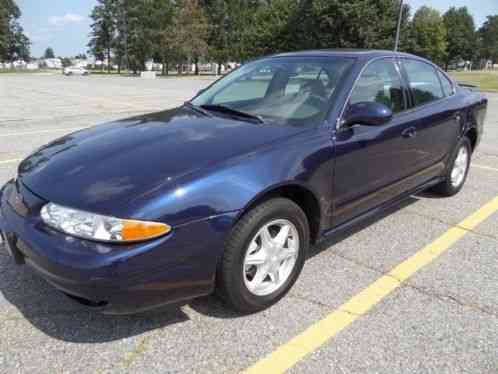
(172, 32)
(14, 44)
(129, 32)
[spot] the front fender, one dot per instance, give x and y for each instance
(231, 186)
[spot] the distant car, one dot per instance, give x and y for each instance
(75, 70)
(228, 191)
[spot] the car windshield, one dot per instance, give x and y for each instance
(295, 91)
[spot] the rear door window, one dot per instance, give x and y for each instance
(380, 82)
(424, 82)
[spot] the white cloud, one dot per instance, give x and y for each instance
(65, 19)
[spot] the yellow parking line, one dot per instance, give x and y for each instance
(289, 354)
(484, 167)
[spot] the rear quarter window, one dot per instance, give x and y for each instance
(424, 82)
(448, 88)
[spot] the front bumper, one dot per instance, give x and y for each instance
(117, 278)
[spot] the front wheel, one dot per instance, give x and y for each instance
(457, 171)
(264, 255)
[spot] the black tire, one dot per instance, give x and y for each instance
(447, 188)
(230, 285)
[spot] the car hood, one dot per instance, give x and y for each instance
(99, 169)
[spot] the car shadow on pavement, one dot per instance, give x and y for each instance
(338, 237)
(213, 307)
(59, 317)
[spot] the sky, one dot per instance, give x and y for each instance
(480, 9)
(64, 25)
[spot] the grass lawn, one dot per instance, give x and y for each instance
(486, 80)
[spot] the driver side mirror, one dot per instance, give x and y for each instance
(368, 113)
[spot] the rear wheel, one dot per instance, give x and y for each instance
(458, 169)
(264, 255)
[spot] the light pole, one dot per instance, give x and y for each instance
(398, 29)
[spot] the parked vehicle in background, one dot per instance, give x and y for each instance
(75, 70)
(227, 192)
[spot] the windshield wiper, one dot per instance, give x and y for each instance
(227, 110)
(197, 109)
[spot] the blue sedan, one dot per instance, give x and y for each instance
(227, 192)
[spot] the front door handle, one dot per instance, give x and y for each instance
(410, 132)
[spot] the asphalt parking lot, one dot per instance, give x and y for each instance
(442, 318)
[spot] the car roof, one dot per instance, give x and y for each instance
(364, 53)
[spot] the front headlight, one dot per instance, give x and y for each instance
(100, 228)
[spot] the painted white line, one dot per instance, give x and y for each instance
(69, 129)
(10, 161)
(484, 167)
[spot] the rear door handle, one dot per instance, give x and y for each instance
(410, 132)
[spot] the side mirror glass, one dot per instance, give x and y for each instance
(368, 113)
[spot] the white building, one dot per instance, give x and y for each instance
(79, 63)
(19, 64)
(53, 63)
(33, 65)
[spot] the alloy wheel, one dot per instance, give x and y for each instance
(460, 167)
(271, 257)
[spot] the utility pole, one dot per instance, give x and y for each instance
(124, 28)
(398, 29)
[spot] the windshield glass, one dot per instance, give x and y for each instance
(296, 91)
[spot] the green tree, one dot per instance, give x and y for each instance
(191, 32)
(272, 29)
(49, 53)
(429, 34)
(119, 44)
(13, 42)
(9, 12)
(138, 33)
(19, 44)
(461, 35)
(489, 38)
(232, 27)
(103, 30)
(367, 24)
(166, 50)
(65, 62)
(179, 31)
(355, 24)
(220, 30)
(307, 24)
